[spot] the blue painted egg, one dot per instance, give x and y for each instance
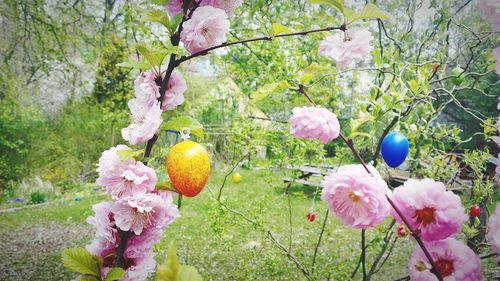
(78, 198)
(395, 147)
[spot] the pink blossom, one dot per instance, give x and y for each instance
(106, 232)
(496, 53)
(494, 231)
(430, 208)
(356, 197)
(140, 268)
(145, 88)
(314, 123)
(146, 122)
(139, 244)
(174, 94)
(206, 28)
(344, 47)
(142, 211)
(227, 5)
(124, 178)
(174, 7)
(454, 261)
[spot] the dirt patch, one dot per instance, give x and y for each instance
(34, 253)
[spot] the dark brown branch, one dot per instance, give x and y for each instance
(263, 38)
(124, 235)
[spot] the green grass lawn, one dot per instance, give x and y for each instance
(221, 244)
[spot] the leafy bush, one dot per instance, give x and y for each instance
(38, 197)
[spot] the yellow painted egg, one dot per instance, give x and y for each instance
(236, 177)
(188, 167)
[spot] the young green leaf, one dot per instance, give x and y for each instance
(159, 56)
(175, 21)
(170, 270)
(369, 11)
(142, 65)
(158, 16)
(115, 273)
(160, 2)
(189, 273)
(177, 123)
(279, 29)
(270, 88)
(413, 86)
(81, 261)
(146, 53)
(125, 154)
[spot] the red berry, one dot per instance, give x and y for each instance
(475, 211)
(311, 216)
(402, 230)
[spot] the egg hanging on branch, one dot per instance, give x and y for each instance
(188, 167)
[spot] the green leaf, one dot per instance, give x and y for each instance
(477, 222)
(177, 123)
(170, 270)
(146, 53)
(337, 4)
(268, 89)
(311, 71)
(115, 273)
(413, 86)
(174, 23)
(81, 261)
(160, 2)
(369, 11)
(135, 64)
(159, 56)
(158, 16)
(125, 154)
(128, 153)
(189, 273)
(165, 185)
(279, 28)
(377, 56)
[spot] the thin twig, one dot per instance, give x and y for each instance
(319, 240)
(229, 173)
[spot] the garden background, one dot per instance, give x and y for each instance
(63, 101)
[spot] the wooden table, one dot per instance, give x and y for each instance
(308, 172)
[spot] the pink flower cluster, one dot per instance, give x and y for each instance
(494, 232)
(429, 208)
(206, 28)
(454, 261)
(145, 107)
(314, 123)
(138, 210)
(175, 6)
(436, 214)
(356, 197)
(345, 47)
